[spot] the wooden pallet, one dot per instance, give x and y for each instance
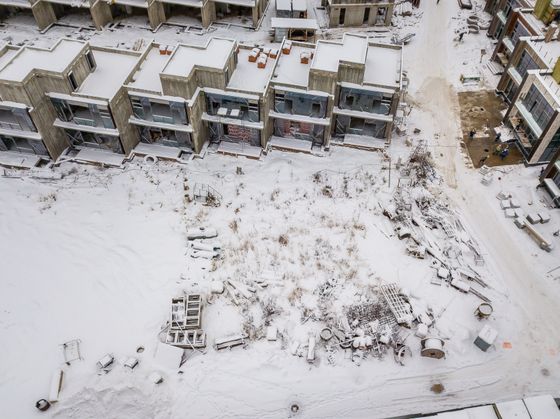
(398, 306)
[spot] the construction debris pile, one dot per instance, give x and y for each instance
(316, 297)
(429, 228)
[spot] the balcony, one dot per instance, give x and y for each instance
(501, 17)
(508, 44)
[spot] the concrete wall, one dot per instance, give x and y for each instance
(44, 14)
(322, 81)
(156, 13)
(32, 92)
(101, 14)
(354, 14)
(121, 109)
(265, 106)
(351, 73)
(208, 13)
(200, 132)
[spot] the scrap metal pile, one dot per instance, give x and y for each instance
(430, 228)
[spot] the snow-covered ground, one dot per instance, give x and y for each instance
(98, 255)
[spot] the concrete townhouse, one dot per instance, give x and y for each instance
(346, 90)
(102, 105)
(102, 12)
(348, 13)
(73, 94)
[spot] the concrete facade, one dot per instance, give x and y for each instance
(351, 13)
(47, 12)
(173, 102)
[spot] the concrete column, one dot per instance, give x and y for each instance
(101, 14)
(43, 13)
(256, 14)
(389, 15)
(156, 13)
(208, 13)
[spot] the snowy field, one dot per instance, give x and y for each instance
(98, 255)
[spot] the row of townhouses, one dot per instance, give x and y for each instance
(88, 103)
(47, 12)
(527, 53)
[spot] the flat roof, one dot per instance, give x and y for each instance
(293, 23)
(284, 5)
(7, 55)
(290, 70)
(328, 54)
(110, 73)
(542, 407)
(133, 3)
(55, 59)
(550, 86)
(299, 5)
(548, 51)
(147, 76)
(383, 65)
(214, 55)
(514, 409)
(248, 77)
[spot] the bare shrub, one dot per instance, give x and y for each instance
(283, 240)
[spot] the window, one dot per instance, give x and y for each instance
(90, 60)
(539, 108)
(72, 80)
(366, 15)
(22, 145)
(526, 63)
(342, 16)
(349, 101)
(315, 109)
(106, 118)
(518, 31)
(137, 108)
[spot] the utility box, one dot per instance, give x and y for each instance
(486, 338)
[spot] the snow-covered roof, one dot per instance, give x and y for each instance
(133, 3)
(6, 54)
(214, 55)
(290, 70)
(25, 4)
(383, 65)
(188, 3)
(111, 72)
(284, 5)
(548, 51)
(299, 5)
(514, 409)
(248, 77)
(147, 77)
(244, 3)
(542, 407)
(292, 5)
(55, 59)
(293, 23)
(352, 48)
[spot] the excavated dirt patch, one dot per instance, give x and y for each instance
(481, 111)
